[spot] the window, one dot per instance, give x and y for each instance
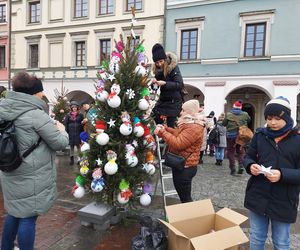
(255, 40)
(256, 34)
(2, 13)
(34, 12)
(188, 38)
(106, 7)
(80, 54)
(188, 49)
(137, 4)
(105, 48)
(33, 56)
(81, 8)
(2, 56)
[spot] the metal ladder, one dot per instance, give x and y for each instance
(163, 176)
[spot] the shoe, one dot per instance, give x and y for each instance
(232, 171)
(217, 162)
(200, 161)
(241, 170)
(71, 160)
(220, 162)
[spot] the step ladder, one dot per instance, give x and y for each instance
(163, 176)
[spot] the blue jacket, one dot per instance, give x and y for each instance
(279, 200)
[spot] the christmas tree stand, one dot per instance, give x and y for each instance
(98, 215)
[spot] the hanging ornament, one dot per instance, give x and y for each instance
(149, 168)
(97, 185)
(103, 74)
(148, 188)
(84, 137)
(80, 180)
(141, 70)
(99, 162)
(125, 194)
(138, 129)
(84, 167)
(111, 167)
(101, 93)
(85, 147)
(111, 123)
(120, 46)
(143, 104)
(78, 191)
(114, 66)
(130, 156)
(130, 93)
(102, 139)
(148, 139)
(145, 200)
(113, 99)
(126, 127)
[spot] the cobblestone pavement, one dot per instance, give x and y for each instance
(60, 228)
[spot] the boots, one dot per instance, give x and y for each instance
(71, 160)
(220, 162)
(232, 170)
(241, 170)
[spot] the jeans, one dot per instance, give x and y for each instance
(182, 181)
(24, 228)
(219, 154)
(234, 152)
(259, 229)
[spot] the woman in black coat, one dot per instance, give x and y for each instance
(73, 124)
(169, 79)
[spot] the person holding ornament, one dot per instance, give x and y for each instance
(86, 113)
(74, 128)
(185, 140)
(29, 190)
(168, 78)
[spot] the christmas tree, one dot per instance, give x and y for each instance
(61, 106)
(117, 153)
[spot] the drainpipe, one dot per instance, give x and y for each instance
(164, 28)
(9, 45)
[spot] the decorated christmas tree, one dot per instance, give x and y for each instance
(117, 161)
(61, 104)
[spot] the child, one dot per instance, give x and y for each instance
(220, 147)
(273, 161)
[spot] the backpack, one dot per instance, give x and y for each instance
(10, 157)
(214, 135)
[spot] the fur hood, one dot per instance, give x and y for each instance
(170, 65)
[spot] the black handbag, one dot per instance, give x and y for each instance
(175, 161)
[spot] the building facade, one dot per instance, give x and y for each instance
(65, 41)
(229, 50)
(4, 43)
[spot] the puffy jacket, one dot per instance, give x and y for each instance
(278, 200)
(186, 140)
(233, 121)
(171, 97)
(31, 189)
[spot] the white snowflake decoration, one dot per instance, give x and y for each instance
(130, 93)
(111, 123)
(111, 77)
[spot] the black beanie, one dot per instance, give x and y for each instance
(158, 52)
(280, 106)
(35, 88)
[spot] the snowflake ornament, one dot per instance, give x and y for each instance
(130, 93)
(111, 123)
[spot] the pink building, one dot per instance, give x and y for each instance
(4, 43)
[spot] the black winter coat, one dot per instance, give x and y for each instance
(74, 128)
(171, 98)
(279, 200)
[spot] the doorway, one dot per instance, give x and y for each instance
(247, 107)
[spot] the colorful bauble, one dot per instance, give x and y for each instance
(149, 168)
(125, 129)
(84, 170)
(80, 180)
(143, 104)
(97, 185)
(111, 167)
(102, 138)
(85, 147)
(122, 200)
(145, 199)
(78, 192)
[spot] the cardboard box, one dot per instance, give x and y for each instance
(196, 225)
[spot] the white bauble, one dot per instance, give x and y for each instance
(145, 199)
(132, 161)
(111, 168)
(140, 70)
(79, 192)
(149, 168)
(102, 138)
(143, 104)
(85, 147)
(102, 96)
(114, 67)
(138, 131)
(121, 199)
(96, 185)
(114, 102)
(125, 129)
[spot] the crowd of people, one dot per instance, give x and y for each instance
(272, 193)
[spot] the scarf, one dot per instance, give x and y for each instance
(185, 119)
(277, 133)
(236, 111)
(73, 115)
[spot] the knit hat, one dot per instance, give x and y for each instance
(85, 101)
(35, 88)
(191, 107)
(237, 104)
(74, 103)
(280, 106)
(211, 114)
(158, 52)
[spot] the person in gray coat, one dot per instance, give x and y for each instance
(220, 148)
(29, 190)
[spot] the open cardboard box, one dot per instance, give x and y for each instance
(196, 225)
